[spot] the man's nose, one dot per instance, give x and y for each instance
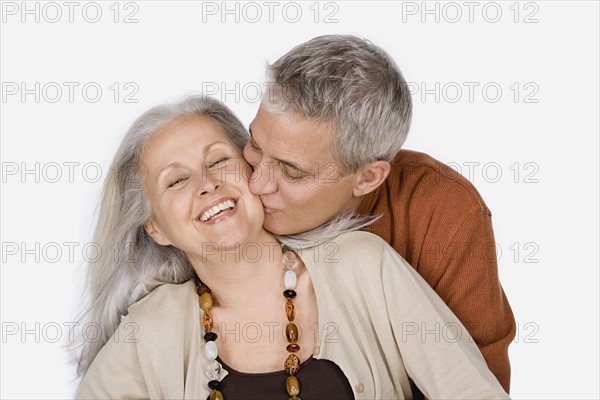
(262, 180)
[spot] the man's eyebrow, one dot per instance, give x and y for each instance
(284, 162)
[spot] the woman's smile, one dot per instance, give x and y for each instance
(218, 211)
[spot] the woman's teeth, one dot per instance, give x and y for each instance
(226, 205)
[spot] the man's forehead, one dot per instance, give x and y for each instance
(291, 137)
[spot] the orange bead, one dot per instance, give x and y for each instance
(206, 301)
(291, 332)
(202, 289)
(207, 321)
(293, 348)
(216, 395)
(292, 364)
(292, 385)
(290, 310)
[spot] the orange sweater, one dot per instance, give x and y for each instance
(439, 223)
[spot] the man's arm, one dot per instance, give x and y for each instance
(437, 221)
(446, 367)
(467, 281)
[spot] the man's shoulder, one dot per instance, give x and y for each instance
(413, 165)
(421, 177)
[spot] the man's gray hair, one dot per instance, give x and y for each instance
(350, 84)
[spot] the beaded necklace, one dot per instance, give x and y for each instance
(291, 364)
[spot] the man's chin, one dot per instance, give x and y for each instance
(272, 226)
(277, 227)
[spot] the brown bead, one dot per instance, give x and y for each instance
(295, 398)
(292, 364)
(292, 385)
(291, 332)
(202, 289)
(292, 348)
(206, 301)
(207, 321)
(216, 395)
(290, 310)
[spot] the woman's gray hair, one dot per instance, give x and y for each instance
(352, 85)
(131, 263)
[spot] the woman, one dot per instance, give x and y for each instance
(361, 324)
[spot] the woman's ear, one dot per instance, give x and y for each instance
(370, 177)
(155, 234)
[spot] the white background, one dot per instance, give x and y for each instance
(545, 208)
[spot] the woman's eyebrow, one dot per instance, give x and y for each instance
(166, 167)
(252, 137)
(176, 164)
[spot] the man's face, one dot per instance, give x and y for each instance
(299, 183)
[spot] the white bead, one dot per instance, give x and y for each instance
(210, 350)
(289, 280)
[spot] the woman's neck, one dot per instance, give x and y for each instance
(237, 274)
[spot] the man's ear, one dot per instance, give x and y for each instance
(155, 234)
(370, 177)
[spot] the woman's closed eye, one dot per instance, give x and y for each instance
(176, 182)
(253, 144)
(216, 164)
(211, 166)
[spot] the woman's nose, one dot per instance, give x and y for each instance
(208, 184)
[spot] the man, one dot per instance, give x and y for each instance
(326, 141)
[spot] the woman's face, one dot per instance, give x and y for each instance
(196, 181)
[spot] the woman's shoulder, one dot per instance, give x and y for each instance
(367, 240)
(165, 303)
(356, 244)
(349, 251)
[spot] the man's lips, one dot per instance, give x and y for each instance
(269, 210)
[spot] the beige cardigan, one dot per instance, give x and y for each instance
(379, 322)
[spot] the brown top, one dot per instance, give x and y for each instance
(439, 223)
(326, 381)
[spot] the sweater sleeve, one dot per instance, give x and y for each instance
(437, 351)
(438, 222)
(468, 283)
(115, 373)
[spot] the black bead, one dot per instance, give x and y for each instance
(210, 337)
(289, 294)
(215, 385)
